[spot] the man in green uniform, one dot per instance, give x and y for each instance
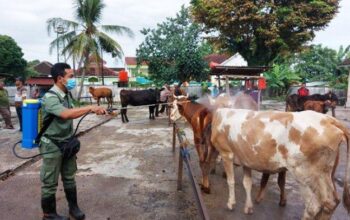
(60, 104)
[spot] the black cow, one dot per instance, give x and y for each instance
(137, 98)
(295, 103)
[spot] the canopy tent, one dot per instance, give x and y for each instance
(236, 68)
(143, 80)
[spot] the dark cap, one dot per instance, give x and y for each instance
(19, 79)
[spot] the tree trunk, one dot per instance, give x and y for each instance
(82, 78)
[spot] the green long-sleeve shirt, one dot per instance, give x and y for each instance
(4, 98)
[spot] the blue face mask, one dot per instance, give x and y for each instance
(71, 83)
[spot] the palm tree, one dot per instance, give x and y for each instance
(86, 37)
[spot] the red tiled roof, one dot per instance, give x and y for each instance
(40, 81)
(132, 61)
(44, 68)
(216, 58)
(346, 62)
(93, 71)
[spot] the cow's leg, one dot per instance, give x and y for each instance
(312, 205)
(151, 112)
(327, 195)
(213, 161)
(281, 184)
(98, 101)
(157, 110)
(263, 183)
(124, 116)
(122, 112)
(247, 183)
(205, 167)
(333, 112)
(228, 165)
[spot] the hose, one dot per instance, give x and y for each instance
(50, 152)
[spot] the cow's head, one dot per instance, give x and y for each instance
(177, 108)
(91, 89)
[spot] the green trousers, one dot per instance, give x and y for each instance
(52, 165)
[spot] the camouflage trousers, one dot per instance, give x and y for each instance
(52, 166)
(6, 114)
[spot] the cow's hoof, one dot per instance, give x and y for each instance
(231, 206)
(204, 189)
(258, 200)
(248, 210)
(283, 203)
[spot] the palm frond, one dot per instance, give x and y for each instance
(79, 10)
(95, 10)
(116, 29)
(109, 45)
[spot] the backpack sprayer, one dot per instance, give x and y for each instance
(34, 127)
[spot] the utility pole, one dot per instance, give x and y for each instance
(102, 74)
(59, 30)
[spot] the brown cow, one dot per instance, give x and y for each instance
(199, 117)
(317, 106)
(296, 103)
(98, 93)
(275, 141)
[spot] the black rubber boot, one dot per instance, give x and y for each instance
(74, 211)
(49, 209)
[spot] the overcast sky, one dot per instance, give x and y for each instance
(25, 21)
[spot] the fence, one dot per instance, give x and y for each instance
(184, 156)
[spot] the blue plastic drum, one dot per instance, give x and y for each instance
(32, 122)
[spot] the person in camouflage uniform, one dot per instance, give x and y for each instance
(5, 106)
(60, 104)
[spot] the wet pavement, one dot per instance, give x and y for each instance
(128, 171)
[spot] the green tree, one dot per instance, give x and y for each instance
(86, 37)
(319, 63)
(11, 58)
(279, 78)
(262, 30)
(174, 50)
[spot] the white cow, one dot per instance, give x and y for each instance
(304, 143)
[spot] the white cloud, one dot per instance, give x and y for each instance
(25, 21)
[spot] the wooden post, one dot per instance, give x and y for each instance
(174, 136)
(259, 99)
(179, 171)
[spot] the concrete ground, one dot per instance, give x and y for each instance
(128, 171)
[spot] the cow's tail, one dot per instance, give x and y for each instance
(346, 192)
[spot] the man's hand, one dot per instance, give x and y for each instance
(98, 110)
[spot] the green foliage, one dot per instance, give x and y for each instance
(11, 58)
(174, 50)
(319, 63)
(279, 78)
(262, 30)
(85, 37)
(93, 79)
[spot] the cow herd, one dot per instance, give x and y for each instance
(306, 143)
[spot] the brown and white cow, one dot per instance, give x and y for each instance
(273, 141)
(199, 115)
